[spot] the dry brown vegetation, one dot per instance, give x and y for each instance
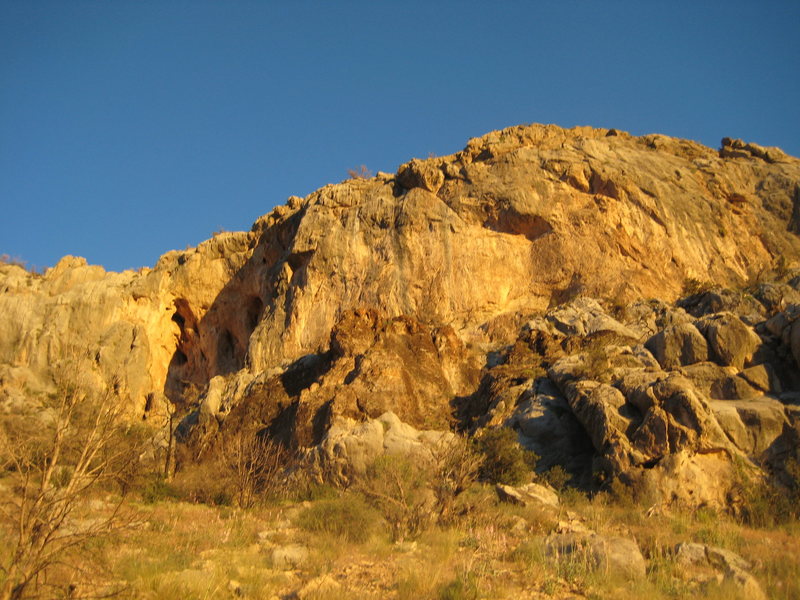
(86, 521)
(55, 468)
(390, 536)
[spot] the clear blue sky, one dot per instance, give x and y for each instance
(130, 128)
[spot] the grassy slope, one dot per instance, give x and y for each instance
(183, 550)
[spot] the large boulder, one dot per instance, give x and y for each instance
(420, 174)
(350, 447)
(529, 494)
(678, 345)
(730, 568)
(612, 555)
(731, 341)
(753, 425)
(585, 317)
(548, 427)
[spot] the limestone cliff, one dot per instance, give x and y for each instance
(426, 270)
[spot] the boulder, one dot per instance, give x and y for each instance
(732, 569)
(763, 378)
(424, 174)
(694, 554)
(706, 377)
(289, 557)
(350, 447)
(678, 345)
(548, 428)
(733, 387)
(607, 554)
(724, 300)
(584, 316)
(529, 494)
(744, 582)
(776, 296)
(753, 425)
(687, 479)
(731, 341)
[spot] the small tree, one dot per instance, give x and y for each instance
(54, 462)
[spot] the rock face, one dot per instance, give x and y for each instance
(349, 448)
(424, 293)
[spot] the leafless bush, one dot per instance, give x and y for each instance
(254, 464)
(455, 466)
(53, 463)
(361, 173)
(398, 488)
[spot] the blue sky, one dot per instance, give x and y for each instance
(128, 129)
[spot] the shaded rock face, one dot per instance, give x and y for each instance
(674, 431)
(425, 293)
(373, 365)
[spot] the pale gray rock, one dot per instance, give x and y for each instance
(289, 557)
(607, 554)
(584, 316)
(350, 447)
(678, 345)
(753, 425)
(528, 494)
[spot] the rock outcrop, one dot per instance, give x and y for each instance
(426, 293)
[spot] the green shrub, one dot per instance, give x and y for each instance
(692, 286)
(504, 459)
(556, 477)
(767, 503)
(463, 587)
(157, 489)
(347, 517)
(595, 364)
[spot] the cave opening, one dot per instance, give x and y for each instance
(179, 358)
(253, 313)
(226, 353)
(178, 318)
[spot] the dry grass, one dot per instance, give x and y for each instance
(487, 550)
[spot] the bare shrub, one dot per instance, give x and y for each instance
(203, 483)
(254, 464)
(361, 173)
(398, 488)
(455, 468)
(55, 462)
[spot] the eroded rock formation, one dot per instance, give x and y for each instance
(424, 293)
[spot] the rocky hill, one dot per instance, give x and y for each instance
(457, 293)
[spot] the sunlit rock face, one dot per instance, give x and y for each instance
(392, 293)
